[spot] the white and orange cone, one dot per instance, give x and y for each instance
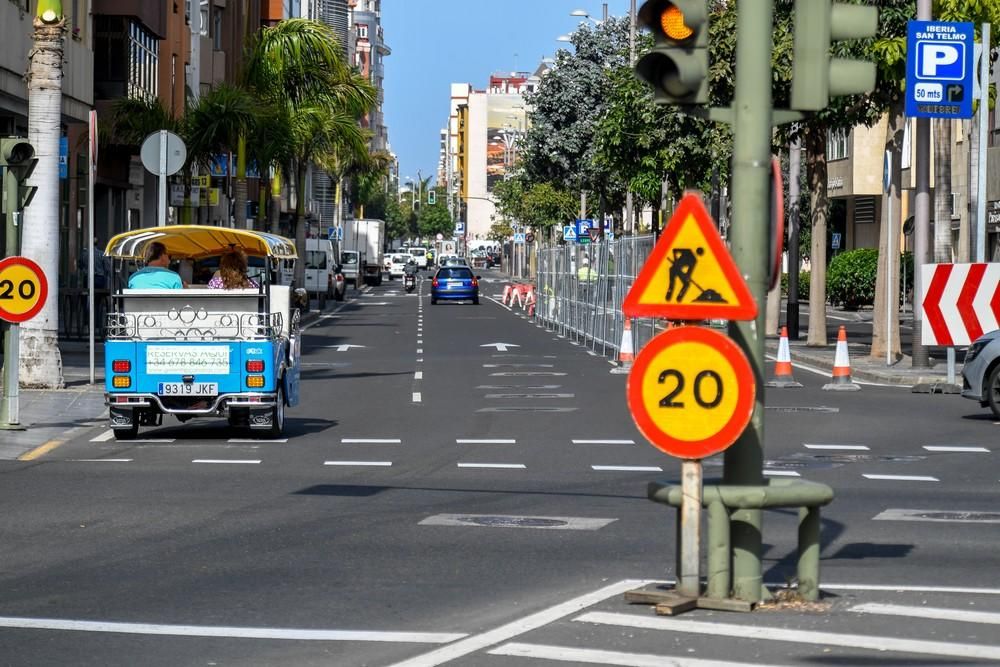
(841, 367)
(506, 294)
(783, 366)
(626, 351)
(529, 304)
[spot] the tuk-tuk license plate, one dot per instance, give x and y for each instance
(188, 389)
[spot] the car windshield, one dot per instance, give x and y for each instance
(418, 252)
(315, 259)
(455, 274)
(349, 258)
(400, 259)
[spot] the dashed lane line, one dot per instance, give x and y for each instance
(419, 375)
(250, 441)
(485, 441)
(603, 468)
(585, 656)
(956, 449)
(603, 442)
(864, 448)
(902, 478)
(104, 437)
(416, 397)
(377, 464)
(100, 460)
(781, 473)
(498, 466)
(225, 461)
(959, 615)
(371, 441)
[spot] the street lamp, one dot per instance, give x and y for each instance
(583, 14)
(564, 38)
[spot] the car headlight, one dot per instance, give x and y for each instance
(975, 349)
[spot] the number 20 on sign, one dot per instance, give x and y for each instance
(691, 392)
(23, 289)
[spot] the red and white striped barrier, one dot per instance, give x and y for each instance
(961, 302)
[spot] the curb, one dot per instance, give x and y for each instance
(902, 378)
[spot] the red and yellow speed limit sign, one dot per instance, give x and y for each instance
(691, 392)
(23, 289)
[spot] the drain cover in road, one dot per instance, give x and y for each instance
(508, 521)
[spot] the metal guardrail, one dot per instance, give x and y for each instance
(74, 312)
(580, 290)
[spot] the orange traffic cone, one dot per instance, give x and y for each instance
(783, 366)
(842, 366)
(626, 351)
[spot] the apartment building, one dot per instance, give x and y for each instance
(366, 51)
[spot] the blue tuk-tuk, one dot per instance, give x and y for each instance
(201, 352)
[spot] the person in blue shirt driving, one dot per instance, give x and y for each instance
(155, 275)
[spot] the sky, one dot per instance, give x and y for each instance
(439, 42)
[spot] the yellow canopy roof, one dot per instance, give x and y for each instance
(199, 241)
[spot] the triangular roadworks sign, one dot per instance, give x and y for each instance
(690, 274)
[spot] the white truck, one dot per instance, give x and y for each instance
(366, 237)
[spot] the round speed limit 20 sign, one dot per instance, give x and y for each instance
(691, 392)
(23, 289)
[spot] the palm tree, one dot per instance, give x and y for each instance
(298, 64)
(40, 360)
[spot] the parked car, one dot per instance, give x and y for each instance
(455, 283)
(981, 372)
(419, 254)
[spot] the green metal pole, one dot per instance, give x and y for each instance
(10, 417)
(748, 243)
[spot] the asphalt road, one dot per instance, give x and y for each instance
(443, 500)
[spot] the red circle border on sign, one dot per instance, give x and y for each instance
(688, 449)
(43, 289)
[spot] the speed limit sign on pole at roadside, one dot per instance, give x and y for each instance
(23, 289)
(691, 392)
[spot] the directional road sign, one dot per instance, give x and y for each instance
(690, 274)
(939, 69)
(961, 302)
(23, 289)
(691, 392)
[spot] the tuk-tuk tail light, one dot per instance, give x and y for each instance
(255, 366)
(121, 366)
(255, 381)
(121, 382)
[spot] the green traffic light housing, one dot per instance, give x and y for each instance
(677, 66)
(816, 76)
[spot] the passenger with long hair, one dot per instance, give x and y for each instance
(232, 272)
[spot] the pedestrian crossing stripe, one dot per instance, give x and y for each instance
(690, 274)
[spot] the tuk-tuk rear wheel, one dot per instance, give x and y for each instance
(277, 413)
(128, 433)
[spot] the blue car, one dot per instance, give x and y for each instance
(455, 283)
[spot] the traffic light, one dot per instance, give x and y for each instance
(431, 197)
(816, 77)
(677, 67)
(17, 157)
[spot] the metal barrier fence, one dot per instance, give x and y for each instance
(74, 313)
(581, 288)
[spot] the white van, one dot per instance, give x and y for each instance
(320, 267)
(419, 254)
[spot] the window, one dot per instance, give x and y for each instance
(836, 145)
(362, 30)
(217, 29)
(956, 199)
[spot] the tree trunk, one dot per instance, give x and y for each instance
(819, 204)
(942, 190)
(40, 360)
(240, 187)
(275, 211)
(886, 319)
(967, 230)
(299, 223)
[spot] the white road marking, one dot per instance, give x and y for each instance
(586, 656)
(962, 590)
(485, 441)
(239, 461)
(628, 468)
(943, 448)
(153, 440)
(732, 630)
(497, 302)
(104, 437)
(416, 397)
(844, 447)
(255, 440)
(521, 626)
(903, 478)
(960, 615)
(526, 374)
(943, 516)
(419, 375)
(516, 521)
(781, 473)
(603, 442)
(518, 365)
(420, 351)
(224, 631)
(101, 460)
(381, 464)
(370, 441)
(508, 466)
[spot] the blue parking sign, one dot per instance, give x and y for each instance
(939, 69)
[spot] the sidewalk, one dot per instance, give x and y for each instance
(50, 417)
